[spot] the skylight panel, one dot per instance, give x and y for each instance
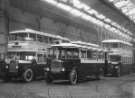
(64, 7)
(131, 11)
(76, 12)
(121, 3)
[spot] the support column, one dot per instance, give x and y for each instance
(4, 28)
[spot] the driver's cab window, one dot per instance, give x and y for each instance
(115, 58)
(62, 54)
(54, 52)
(40, 58)
(50, 52)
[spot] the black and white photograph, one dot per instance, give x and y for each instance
(67, 48)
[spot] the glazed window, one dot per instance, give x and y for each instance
(41, 58)
(83, 54)
(40, 38)
(69, 54)
(18, 36)
(32, 36)
(115, 45)
(115, 58)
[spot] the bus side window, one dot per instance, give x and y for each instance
(83, 54)
(89, 54)
(39, 38)
(101, 55)
(32, 36)
(50, 40)
(69, 54)
(45, 39)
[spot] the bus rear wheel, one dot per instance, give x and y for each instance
(118, 74)
(73, 78)
(97, 76)
(28, 75)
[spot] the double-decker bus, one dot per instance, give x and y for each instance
(119, 57)
(74, 61)
(27, 53)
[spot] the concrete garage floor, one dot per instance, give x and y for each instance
(107, 87)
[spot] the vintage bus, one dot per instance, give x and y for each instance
(119, 57)
(27, 53)
(73, 62)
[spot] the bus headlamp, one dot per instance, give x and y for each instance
(114, 63)
(47, 69)
(7, 61)
(6, 66)
(17, 67)
(116, 67)
(63, 69)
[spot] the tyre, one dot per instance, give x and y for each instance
(49, 79)
(118, 73)
(28, 75)
(97, 76)
(73, 78)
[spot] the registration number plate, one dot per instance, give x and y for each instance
(55, 70)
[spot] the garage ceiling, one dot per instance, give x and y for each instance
(127, 7)
(100, 11)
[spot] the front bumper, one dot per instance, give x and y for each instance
(9, 74)
(2, 74)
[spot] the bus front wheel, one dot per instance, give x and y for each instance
(73, 77)
(28, 75)
(49, 79)
(118, 73)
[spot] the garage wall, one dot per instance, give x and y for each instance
(19, 19)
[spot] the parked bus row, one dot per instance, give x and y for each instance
(33, 54)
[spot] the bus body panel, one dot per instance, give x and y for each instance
(78, 61)
(38, 70)
(84, 70)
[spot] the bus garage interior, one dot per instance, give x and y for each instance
(89, 21)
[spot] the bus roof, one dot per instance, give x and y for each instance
(85, 43)
(66, 45)
(40, 33)
(114, 54)
(72, 45)
(116, 41)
